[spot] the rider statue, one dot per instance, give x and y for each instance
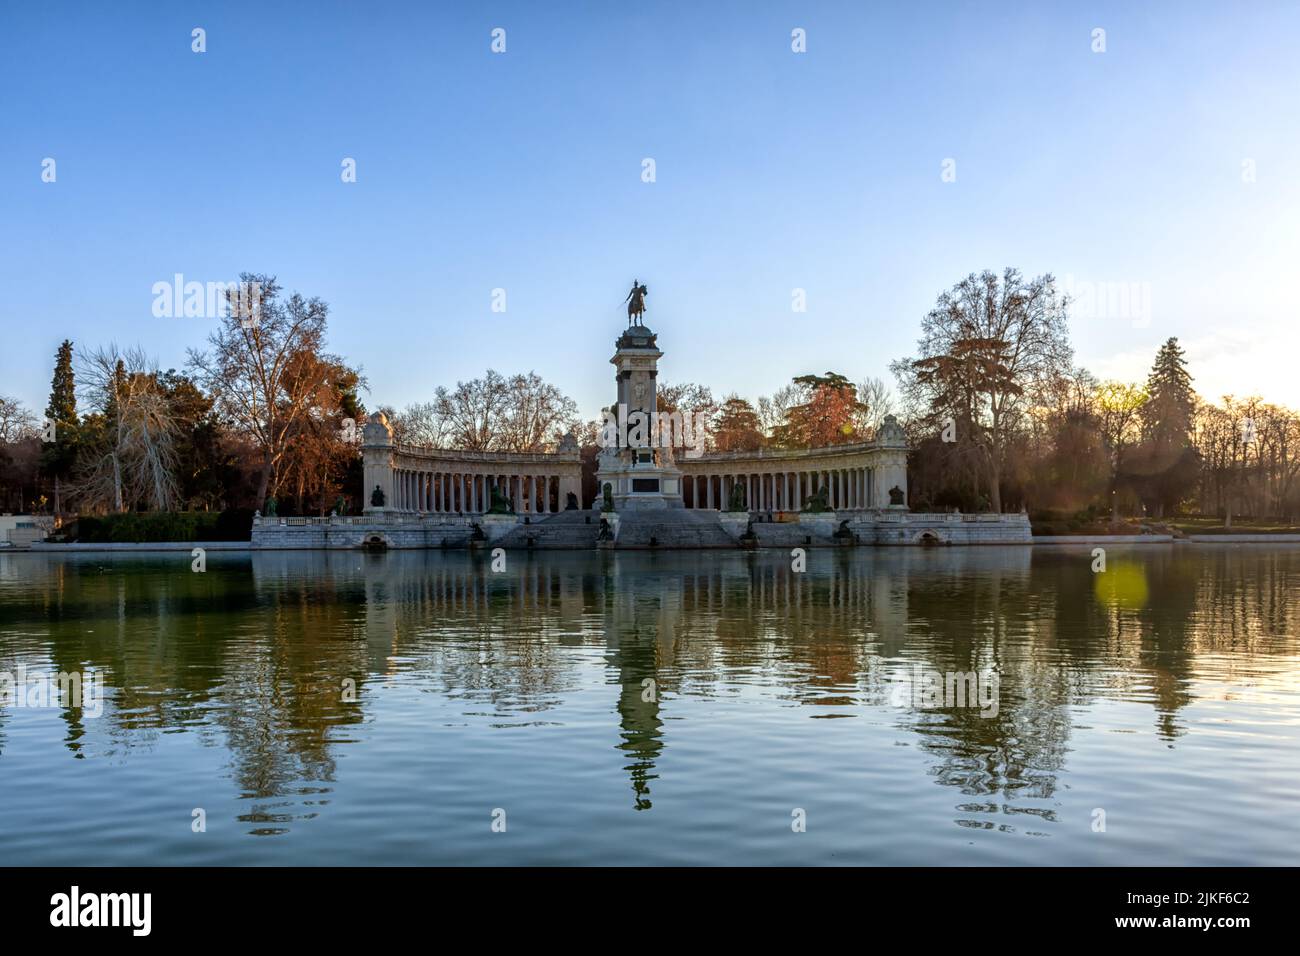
(636, 303)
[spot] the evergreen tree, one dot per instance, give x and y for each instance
(1167, 465)
(59, 456)
(1167, 414)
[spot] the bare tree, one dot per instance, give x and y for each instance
(521, 413)
(16, 422)
(1119, 408)
(258, 370)
(418, 424)
(989, 349)
(473, 410)
(132, 453)
(536, 415)
(878, 401)
(772, 412)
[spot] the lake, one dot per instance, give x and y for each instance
(656, 708)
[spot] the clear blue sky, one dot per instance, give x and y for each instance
(775, 171)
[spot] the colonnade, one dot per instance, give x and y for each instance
(470, 492)
(419, 480)
(784, 490)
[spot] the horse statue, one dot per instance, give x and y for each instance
(636, 303)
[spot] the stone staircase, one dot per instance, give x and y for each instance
(566, 530)
(675, 528)
(788, 535)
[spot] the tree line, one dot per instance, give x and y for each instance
(997, 413)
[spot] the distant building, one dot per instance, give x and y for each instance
(19, 531)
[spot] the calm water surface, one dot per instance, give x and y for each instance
(657, 708)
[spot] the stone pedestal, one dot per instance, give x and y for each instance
(497, 526)
(734, 522)
(611, 517)
(822, 523)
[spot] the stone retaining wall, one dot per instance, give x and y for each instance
(669, 529)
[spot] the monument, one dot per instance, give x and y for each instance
(657, 485)
(636, 457)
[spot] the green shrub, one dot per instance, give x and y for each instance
(155, 526)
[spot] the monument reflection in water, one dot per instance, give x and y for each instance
(655, 707)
